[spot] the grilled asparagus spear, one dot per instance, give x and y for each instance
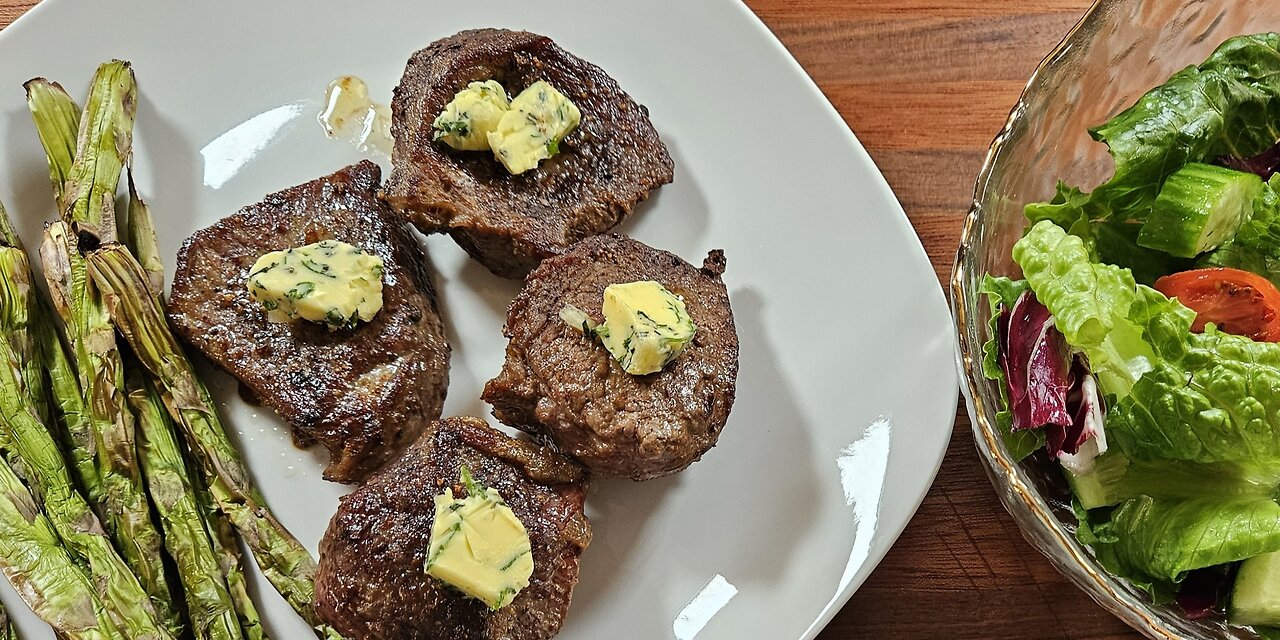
(68, 405)
(87, 206)
(284, 561)
(57, 118)
(53, 585)
(21, 321)
(67, 510)
(209, 605)
(142, 241)
(232, 563)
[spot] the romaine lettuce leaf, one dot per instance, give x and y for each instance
(1098, 307)
(1157, 541)
(1114, 478)
(1210, 397)
(1184, 407)
(1116, 243)
(1110, 241)
(1086, 298)
(1218, 401)
(1066, 209)
(1227, 106)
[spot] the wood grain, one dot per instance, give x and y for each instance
(926, 84)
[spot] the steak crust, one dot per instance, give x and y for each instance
(509, 223)
(362, 393)
(566, 389)
(371, 583)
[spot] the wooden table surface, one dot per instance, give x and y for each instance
(926, 84)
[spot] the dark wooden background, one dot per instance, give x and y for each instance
(926, 84)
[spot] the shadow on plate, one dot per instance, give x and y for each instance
(687, 225)
(31, 205)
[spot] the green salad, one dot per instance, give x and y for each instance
(1140, 350)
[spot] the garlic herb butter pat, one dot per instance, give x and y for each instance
(479, 546)
(531, 131)
(329, 282)
(645, 326)
(472, 115)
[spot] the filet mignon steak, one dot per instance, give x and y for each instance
(509, 223)
(565, 388)
(372, 584)
(364, 392)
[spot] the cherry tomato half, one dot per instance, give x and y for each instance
(1236, 301)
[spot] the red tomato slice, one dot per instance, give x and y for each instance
(1236, 301)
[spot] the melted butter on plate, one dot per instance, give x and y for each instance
(351, 115)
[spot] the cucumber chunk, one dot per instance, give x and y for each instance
(1199, 207)
(1103, 485)
(1255, 599)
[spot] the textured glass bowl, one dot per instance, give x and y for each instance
(1119, 50)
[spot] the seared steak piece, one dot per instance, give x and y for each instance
(565, 388)
(372, 584)
(362, 393)
(509, 223)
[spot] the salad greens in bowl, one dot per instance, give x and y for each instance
(1116, 297)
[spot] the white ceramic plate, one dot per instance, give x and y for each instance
(846, 393)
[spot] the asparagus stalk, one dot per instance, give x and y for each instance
(143, 242)
(27, 437)
(209, 604)
(69, 407)
(229, 558)
(117, 488)
(68, 512)
(282, 559)
(19, 307)
(50, 581)
(57, 119)
(26, 325)
(20, 322)
(103, 143)
(87, 209)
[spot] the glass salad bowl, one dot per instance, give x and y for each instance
(1118, 51)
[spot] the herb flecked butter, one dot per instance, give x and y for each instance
(329, 282)
(531, 131)
(479, 546)
(645, 326)
(473, 114)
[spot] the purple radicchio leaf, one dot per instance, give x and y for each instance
(1050, 388)
(1085, 404)
(1264, 164)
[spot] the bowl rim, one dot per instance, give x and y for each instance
(1013, 486)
